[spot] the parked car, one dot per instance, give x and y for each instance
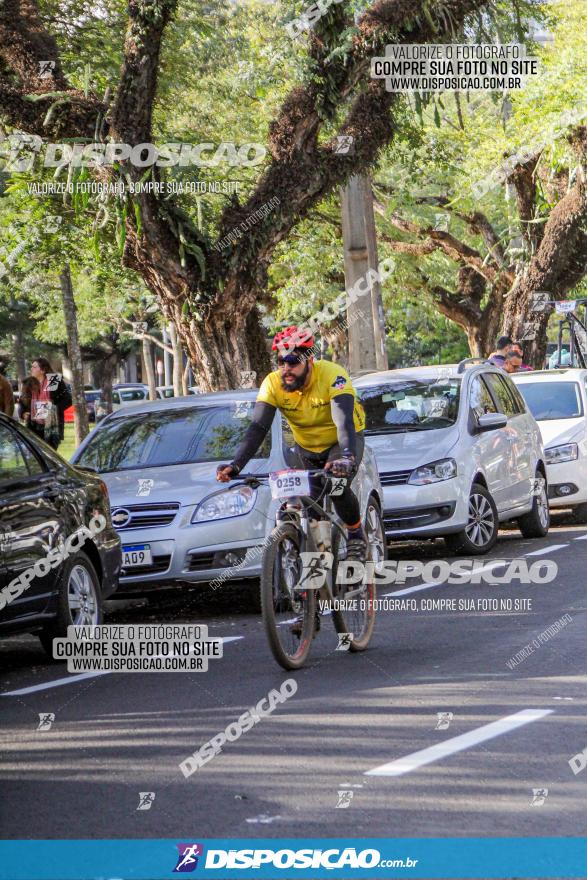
(118, 386)
(122, 395)
(177, 523)
(165, 391)
(43, 502)
(458, 452)
(558, 402)
(92, 397)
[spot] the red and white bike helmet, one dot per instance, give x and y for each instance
(292, 337)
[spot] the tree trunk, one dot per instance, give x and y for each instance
(185, 385)
(177, 361)
(219, 348)
(80, 411)
(148, 368)
(336, 337)
(18, 354)
(558, 265)
(482, 336)
(104, 372)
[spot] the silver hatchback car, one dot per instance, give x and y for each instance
(176, 522)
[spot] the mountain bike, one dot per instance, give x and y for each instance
(301, 559)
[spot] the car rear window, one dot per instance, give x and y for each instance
(552, 400)
(171, 436)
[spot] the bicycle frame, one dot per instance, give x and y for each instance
(297, 508)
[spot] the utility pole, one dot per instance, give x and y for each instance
(365, 315)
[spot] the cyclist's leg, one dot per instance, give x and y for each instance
(307, 460)
(348, 507)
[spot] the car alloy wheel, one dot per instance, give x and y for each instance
(542, 502)
(81, 597)
(481, 525)
(375, 533)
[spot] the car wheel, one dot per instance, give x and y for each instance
(480, 533)
(536, 522)
(579, 514)
(375, 532)
(79, 602)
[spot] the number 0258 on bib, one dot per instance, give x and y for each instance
(284, 484)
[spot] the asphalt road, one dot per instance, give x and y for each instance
(115, 735)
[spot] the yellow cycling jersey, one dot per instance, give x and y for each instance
(308, 410)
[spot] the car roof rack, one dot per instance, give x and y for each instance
(466, 362)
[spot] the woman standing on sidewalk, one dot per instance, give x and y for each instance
(47, 403)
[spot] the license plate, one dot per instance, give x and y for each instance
(289, 482)
(135, 555)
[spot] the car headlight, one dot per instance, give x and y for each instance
(226, 503)
(566, 452)
(435, 472)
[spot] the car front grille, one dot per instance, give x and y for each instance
(416, 517)
(159, 565)
(394, 478)
(200, 561)
(145, 516)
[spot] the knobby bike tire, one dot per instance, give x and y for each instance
(270, 591)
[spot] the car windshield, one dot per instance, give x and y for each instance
(552, 400)
(171, 436)
(411, 405)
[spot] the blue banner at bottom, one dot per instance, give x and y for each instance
(307, 859)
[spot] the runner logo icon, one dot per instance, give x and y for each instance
(188, 857)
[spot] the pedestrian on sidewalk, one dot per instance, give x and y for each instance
(6, 393)
(512, 362)
(502, 346)
(48, 403)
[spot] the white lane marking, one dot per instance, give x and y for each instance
(72, 679)
(450, 746)
(582, 538)
(488, 567)
(56, 683)
(544, 550)
(427, 586)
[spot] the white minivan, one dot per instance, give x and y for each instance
(458, 452)
(558, 401)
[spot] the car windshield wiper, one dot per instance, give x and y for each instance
(399, 429)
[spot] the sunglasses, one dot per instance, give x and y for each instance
(292, 360)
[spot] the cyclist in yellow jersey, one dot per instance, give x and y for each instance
(326, 418)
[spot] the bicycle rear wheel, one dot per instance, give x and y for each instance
(281, 603)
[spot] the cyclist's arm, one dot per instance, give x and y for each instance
(261, 422)
(342, 408)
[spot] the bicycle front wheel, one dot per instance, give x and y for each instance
(288, 613)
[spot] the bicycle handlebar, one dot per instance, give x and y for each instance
(313, 473)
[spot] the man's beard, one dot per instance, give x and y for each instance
(298, 381)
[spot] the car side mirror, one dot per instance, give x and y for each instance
(491, 421)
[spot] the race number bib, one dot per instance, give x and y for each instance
(289, 482)
(41, 410)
